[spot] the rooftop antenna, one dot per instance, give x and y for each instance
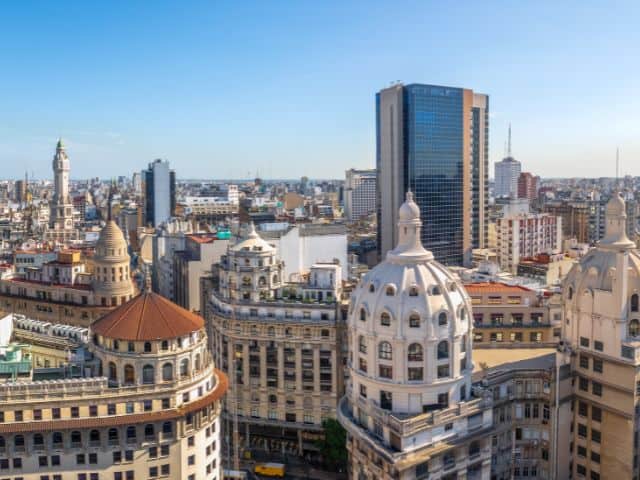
(509, 142)
(617, 164)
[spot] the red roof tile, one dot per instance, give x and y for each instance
(148, 316)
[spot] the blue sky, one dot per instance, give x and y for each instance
(228, 89)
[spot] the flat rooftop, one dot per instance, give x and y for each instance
(511, 359)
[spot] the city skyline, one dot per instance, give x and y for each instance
(190, 84)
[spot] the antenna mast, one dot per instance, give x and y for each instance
(509, 142)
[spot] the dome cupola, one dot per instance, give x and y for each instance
(410, 328)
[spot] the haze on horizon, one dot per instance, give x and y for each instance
(284, 89)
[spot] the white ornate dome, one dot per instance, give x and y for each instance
(410, 328)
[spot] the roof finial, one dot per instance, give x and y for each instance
(409, 196)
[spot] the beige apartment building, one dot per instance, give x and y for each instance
(282, 341)
(512, 315)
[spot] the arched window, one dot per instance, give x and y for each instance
(113, 372)
(385, 319)
(165, 345)
(570, 293)
(56, 438)
(362, 344)
(129, 375)
(246, 281)
(363, 314)
(372, 288)
(390, 290)
(131, 434)
(147, 347)
(413, 291)
(38, 440)
(149, 431)
(167, 372)
(384, 351)
(94, 436)
(262, 281)
(634, 328)
(463, 344)
(436, 290)
(148, 374)
(113, 436)
(184, 367)
(443, 350)
(273, 399)
(414, 320)
(634, 302)
(414, 353)
(275, 279)
(442, 318)
(197, 362)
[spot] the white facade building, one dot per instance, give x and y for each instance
(507, 172)
(301, 246)
(359, 193)
(527, 235)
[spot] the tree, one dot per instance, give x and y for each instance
(333, 446)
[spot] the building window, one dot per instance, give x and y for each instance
(634, 302)
(129, 375)
(385, 319)
(596, 414)
(363, 391)
(443, 371)
(167, 372)
(598, 345)
(583, 384)
(443, 350)
(596, 388)
(384, 351)
(634, 328)
(414, 320)
(597, 365)
(584, 342)
(584, 361)
(442, 318)
(414, 353)
(363, 315)
(415, 373)
(148, 374)
(386, 400)
(362, 344)
(385, 371)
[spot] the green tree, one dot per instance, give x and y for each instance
(333, 446)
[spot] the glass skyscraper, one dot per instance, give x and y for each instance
(433, 141)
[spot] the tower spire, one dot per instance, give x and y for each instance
(109, 202)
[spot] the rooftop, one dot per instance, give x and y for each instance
(148, 316)
(494, 287)
(496, 359)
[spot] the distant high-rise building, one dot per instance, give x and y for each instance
(433, 140)
(359, 193)
(527, 186)
(160, 193)
(20, 191)
(507, 173)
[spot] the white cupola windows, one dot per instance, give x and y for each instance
(442, 318)
(414, 320)
(385, 319)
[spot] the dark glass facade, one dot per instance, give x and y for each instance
(434, 149)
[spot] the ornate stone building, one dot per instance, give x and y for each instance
(282, 341)
(146, 404)
(410, 411)
(65, 291)
(552, 410)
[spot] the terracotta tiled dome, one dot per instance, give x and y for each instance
(148, 316)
